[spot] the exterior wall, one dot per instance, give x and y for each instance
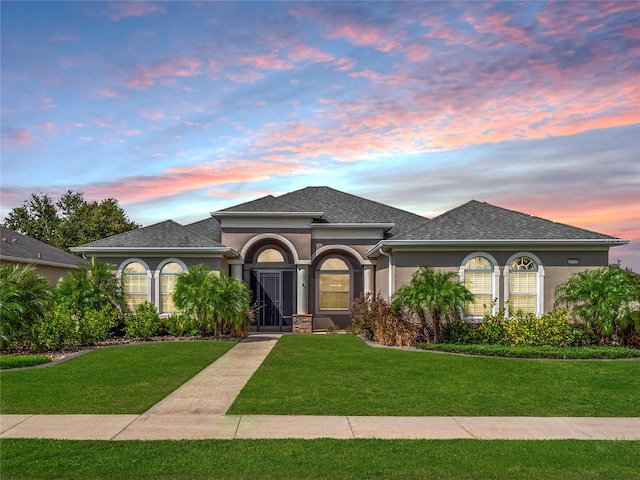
(554, 262)
(52, 273)
(153, 262)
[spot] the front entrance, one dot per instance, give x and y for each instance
(269, 299)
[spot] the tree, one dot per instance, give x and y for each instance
(213, 299)
(434, 295)
(69, 222)
(606, 299)
(24, 299)
(90, 288)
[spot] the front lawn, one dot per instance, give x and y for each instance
(123, 379)
(321, 459)
(341, 375)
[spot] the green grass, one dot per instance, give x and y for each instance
(17, 361)
(124, 379)
(321, 459)
(341, 375)
(579, 353)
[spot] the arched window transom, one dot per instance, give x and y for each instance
(168, 278)
(134, 285)
(478, 278)
(523, 285)
(334, 285)
(270, 255)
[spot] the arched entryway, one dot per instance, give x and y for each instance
(270, 268)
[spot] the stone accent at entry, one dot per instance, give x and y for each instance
(302, 323)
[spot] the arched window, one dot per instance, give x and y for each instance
(168, 278)
(334, 285)
(270, 255)
(478, 278)
(523, 285)
(134, 285)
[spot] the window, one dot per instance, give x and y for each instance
(523, 276)
(134, 282)
(168, 278)
(334, 285)
(478, 278)
(270, 255)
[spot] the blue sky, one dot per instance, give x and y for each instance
(178, 109)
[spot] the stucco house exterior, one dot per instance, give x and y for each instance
(51, 262)
(306, 255)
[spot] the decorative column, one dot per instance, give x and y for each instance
(368, 279)
(236, 271)
(302, 320)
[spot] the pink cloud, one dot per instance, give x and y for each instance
(267, 61)
(165, 69)
(109, 93)
(301, 52)
(20, 136)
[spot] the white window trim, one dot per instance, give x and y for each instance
(539, 281)
(319, 272)
(157, 274)
(146, 267)
(495, 283)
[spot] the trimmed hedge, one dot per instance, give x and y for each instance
(579, 353)
(18, 361)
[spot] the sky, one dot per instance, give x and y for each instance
(178, 109)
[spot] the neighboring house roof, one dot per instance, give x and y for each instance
(163, 236)
(334, 207)
(19, 248)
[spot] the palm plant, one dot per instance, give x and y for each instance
(605, 299)
(24, 299)
(90, 288)
(213, 299)
(434, 295)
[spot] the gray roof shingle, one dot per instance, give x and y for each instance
(268, 203)
(22, 247)
(476, 220)
(165, 234)
(209, 227)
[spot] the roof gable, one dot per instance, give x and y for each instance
(476, 220)
(167, 234)
(18, 247)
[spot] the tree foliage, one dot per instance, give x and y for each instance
(213, 299)
(24, 298)
(606, 299)
(435, 296)
(70, 221)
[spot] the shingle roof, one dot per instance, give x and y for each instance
(268, 203)
(481, 221)
(22, 247)
(338, 207)
(165, 234)
(209, 227)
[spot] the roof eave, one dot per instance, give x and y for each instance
(226, 251)
(48, 263)
(609, 242)
(268, 214)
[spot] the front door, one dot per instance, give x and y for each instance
(269, 299)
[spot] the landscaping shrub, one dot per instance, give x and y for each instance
(363, 313)
(144, 324)
(96, 325)
(459, 332)
(57, 330)
(180, 325)
(17, 361)
(493, 330)
(401, 329)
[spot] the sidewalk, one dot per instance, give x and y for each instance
(197, 410)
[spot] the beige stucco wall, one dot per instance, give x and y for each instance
(554, 263)
(52, 274)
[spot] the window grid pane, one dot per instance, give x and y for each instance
(334, 300)
(334, 291)
(524, 303)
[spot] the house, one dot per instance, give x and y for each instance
(53, 263)
(307, 254)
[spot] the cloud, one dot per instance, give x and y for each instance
(165, 69)
(139, 8)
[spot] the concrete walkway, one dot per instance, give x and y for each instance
(197, 410)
